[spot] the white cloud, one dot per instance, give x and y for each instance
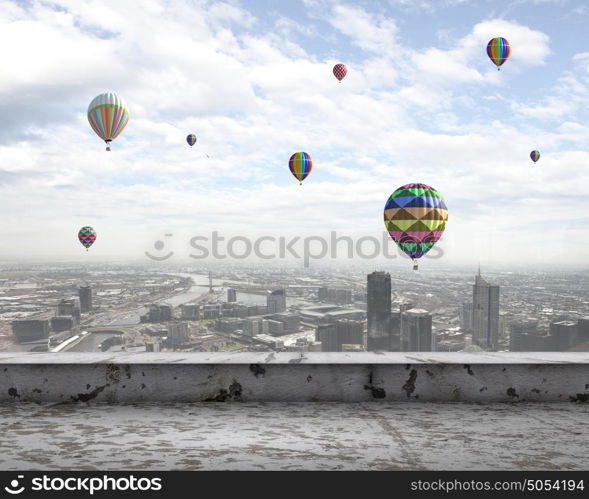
(254, 98)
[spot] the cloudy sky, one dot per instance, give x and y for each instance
(252, 79)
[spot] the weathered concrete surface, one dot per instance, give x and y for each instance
(290, 436)
(123, 378)
(296, 358)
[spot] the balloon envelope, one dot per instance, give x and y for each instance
(535, 155)
(415, 216)
(340, 71)
(108, 116)
(498, 50)
(191, 139)
(87, 236)
(300, 164)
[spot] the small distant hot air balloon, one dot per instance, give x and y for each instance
(498, 50)
(191, 139)
(415, 216)
(300, 164)
(340, 71)
(535, 155)
(108, 115)
(87, 236)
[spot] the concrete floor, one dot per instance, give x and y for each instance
(295, 436)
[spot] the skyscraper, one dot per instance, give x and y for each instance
(69, 307)
(416, 330)
(485, 313)
(564, 334)
(276, 301)
(378, 310)
(85, 294)
(343, 332)
(231, 295)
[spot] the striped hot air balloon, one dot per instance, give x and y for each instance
(87, 236)
(535, 155)
(191, 139)
(498, 50)
(415, 216)
(108, 115)
(300, 164)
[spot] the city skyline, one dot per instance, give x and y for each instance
(278, 309)
(254, 83)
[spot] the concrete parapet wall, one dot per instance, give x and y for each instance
(346, 377)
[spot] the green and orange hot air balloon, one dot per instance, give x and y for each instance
(415, 216)
(87, 236)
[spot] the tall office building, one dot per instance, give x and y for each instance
(27, 330)
(85, 295)
(583, 330)
(231, 295)
(349, 332)
(378, 310)
(178, 332)
(327, 335)
(416, 331)
(485, 313)
(466, 316)
(276, 301)
(190, 311)
(61, 323)
(343, 332)
(524, 337)
(395, 332)
(564, 334)
(69, 307)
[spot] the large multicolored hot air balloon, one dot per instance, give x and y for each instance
(300, 164)
(498, 50)
(535, 155)
(340, 71)
(191, 139)
(415, 216)
(108, 115)
(87, 236)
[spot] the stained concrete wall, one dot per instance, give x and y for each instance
(349, 377)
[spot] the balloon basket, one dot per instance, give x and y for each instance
(415, 266)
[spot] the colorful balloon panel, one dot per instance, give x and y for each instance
(535, 155)
(340, 71)
(498, 50)
(87, 236)
(191, 139)
(108, 116)
(301, 165)
(415, 216)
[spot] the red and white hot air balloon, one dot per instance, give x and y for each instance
(340, 71)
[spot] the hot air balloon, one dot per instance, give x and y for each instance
(340, 71)
(87, 236)
(300, 164)
(415, 216)
(498, 50)
(535, 155)
(191, 139)
(108, 115)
